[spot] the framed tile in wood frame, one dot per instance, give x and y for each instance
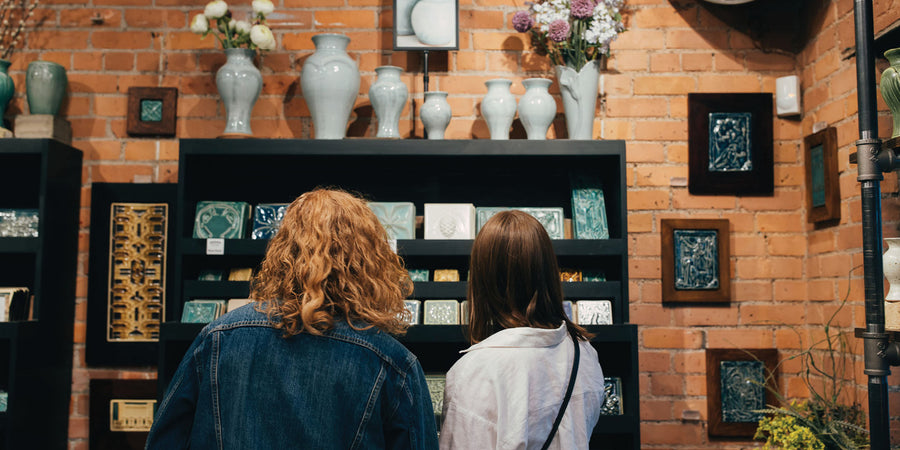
(695, 260)
(151, 111)
(730, 398)
(823, 190)
(730, 144)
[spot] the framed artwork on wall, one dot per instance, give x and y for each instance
(695, 260)
(823, 191)
(151, 111)
(730, 144)
(121, 413)
(739, 382)
(426, 25)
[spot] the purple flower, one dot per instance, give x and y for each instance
(582, 9)
(522, 21)
(559, 30)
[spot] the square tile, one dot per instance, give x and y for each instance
(449, 221)
(696, 259)
(226, 220)
(267, 219)
(397, 218)
(441, 312)
(730, 141)
(594, 312)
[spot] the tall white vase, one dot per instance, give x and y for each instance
(537, 109)
(579, 93)
(434, 21)
(239, 84)
(330, 83)
(435, 114)
(388, 96)
(499, 108)
(891, 262)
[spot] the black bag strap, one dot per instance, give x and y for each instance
(565, 403)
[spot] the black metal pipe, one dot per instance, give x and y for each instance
(869, 175)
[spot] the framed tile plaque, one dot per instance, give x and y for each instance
(736, 386)
(823, 191)
(730, 144)
(695, 260)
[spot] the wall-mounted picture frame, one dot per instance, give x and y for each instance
(823, 189)
(730, 144)
(739, 382)
(151, 111)
(696, 259)
(426, 25)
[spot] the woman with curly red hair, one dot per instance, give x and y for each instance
(311, 363)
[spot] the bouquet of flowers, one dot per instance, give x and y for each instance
(571, 32)
(252, 33)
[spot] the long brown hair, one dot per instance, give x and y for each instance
(331, 260)
(514, 278)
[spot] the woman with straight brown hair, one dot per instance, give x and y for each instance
(531, 380)
(311, 363)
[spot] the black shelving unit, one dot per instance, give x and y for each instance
(515, 173)
(36, 355)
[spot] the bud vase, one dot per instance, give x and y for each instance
(330, 83)
(890, 87)
(499, 108)
(435, 114)
(388, 96)
(45, 87)
(239, 83)
(579, 93)
(7, 88)
(537, 109)
(891, 262)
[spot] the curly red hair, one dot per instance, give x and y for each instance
(331, 260)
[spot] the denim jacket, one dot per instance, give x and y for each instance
(241, 385)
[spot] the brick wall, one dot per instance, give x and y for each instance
(787, 274)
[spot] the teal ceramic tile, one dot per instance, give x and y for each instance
(397, 218)
(414, 307)
(211, 275)
(226, 220)
(4, 400)
(551, 218)
(202, 311)
(589, 209)
(594, 312)
(441, 312)
(817, 169)
(19, 222)
(593, 275)
(730, 142)
(743, 390)
(267, 219)
(419, 274)
(151, 110)
(696, 259)
(483, 213)
(612, 400)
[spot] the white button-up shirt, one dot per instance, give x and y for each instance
(506, 391)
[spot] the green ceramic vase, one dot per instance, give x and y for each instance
(45, 87)
(890, 87)
(7, 88)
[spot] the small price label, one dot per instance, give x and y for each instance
(215, 246)
(393, 244)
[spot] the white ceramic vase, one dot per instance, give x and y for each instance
(891, 262)
(499, 108)
(435, 114)
(434, 21)
(579, 93)
(388, 96)
(239, 83)
(537, 108)
(330, 83)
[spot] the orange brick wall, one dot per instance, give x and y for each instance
(786, 272)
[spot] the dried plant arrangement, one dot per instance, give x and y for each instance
(13, 16)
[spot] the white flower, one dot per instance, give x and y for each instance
(263, 7)
(199, 24)
(262, 36)
(241, 26)
(215, 9)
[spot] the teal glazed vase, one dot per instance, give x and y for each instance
(890, 87)
(7, 88)
(45, 87)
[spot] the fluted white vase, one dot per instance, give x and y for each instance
(330, 83)
(891, 262)
(388, 96)
(537, 108)
(499, 108)
(579, 91)
(435, 114)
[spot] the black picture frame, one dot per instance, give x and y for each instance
(99, 351)
(404, 36)
(670, 292)
(159, 123)
(823, 188)
(101, 392)
(757, 179)
(719, 426)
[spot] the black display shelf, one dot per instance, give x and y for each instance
(432, 290)
(20, 245)
(216, 289)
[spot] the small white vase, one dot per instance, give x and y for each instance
(434, 21)
(435, 114)
(239, 84)
(499, 108)
(330, 83)
(388, 96)
(891, 262)
(537, 109)
(579, 93)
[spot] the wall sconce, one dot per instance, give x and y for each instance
(787, 96)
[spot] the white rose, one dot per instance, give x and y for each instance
(199, 24)
(215, 9)
(242, 26)
(262, 36)
(263, 7)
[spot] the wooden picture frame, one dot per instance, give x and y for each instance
(735, 132)
(102, 393)
(444, 35)
(823, 189)
(705, 244)
(726, 417)
(151, 111)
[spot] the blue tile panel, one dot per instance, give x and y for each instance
(589, 211)
(743, 390)
(397, 218)
(696, 259)
(226, 220)
(267, 219)
(730, 142)
(817, 166)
